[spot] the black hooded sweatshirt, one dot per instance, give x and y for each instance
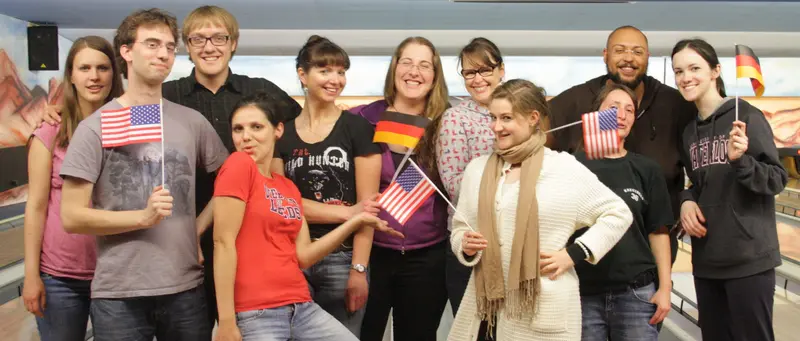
(737, 198)
(661, 117)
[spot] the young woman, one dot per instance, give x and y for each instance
(531, 200)
(466, 134)
(407, 276)
(329, 155)
(59, 266)
(729, 208)
(627, 294)
(262, 241)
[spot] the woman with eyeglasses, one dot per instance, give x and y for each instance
(407, 275)
(466, 134)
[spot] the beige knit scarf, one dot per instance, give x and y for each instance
(523, 285)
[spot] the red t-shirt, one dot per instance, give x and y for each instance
(267, 272)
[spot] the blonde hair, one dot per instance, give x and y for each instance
(435, 104)
(525, 98)
(204, 15)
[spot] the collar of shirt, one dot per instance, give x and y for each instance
(233, 82)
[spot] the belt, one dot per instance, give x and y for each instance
(643, 279)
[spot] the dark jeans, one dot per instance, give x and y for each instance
(66, 311)
(457, 277)
(327, 282)
(176, 317)
(412, 285)
(622, 316)
(736, 309)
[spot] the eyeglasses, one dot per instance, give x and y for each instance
(484, 72)
(422, 67)
(216, 40)
(172, 48)
(636, 51)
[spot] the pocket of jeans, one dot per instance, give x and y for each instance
(645, 293)
(245, 317)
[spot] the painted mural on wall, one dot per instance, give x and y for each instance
(23, 94)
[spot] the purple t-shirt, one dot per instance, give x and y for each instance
(63, 254)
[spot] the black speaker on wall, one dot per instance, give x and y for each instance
(42, 48)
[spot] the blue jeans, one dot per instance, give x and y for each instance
(175, 317)
(621, 316)
(66, 310)
(298, 322)
(327, 281)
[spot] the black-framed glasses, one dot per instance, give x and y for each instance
(470, 73)
(216, 40)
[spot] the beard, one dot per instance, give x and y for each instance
(616, 78)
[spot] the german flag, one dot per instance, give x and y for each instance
(748, 66)
(400, 129)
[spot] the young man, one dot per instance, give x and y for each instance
(211, 34)
(148, 275)
(660, 120)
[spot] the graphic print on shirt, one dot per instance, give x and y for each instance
(321, 176)
(133, 177)
(282, 206)
(709, 151)
(634, 194)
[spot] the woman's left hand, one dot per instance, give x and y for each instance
(737, 141)
(555, 263)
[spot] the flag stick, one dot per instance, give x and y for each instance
(161, 121)
(400, 166)
(736, 84)
(440, 193)
(564, 126)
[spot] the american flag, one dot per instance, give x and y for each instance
(406, 194)
(137, 124)
(600, 133)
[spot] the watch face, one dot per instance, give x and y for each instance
(358, 267)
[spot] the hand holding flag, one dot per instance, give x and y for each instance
(601, 133)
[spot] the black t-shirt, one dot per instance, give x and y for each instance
(640, 182)
(325, 171)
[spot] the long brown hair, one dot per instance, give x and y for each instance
(71, 113)
(435, 104)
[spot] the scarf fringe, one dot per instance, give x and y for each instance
(521, 301)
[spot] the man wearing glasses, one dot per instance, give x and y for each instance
(147, 280)
(211, 35)
(662, 115)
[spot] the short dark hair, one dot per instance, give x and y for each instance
(626, 27)
(608, 89)
(126, 32)
(706, 51)
(263, 102)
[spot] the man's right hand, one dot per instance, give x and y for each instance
(52, 115)
(159, 206)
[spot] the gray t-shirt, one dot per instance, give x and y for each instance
(162, 259)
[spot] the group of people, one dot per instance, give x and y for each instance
(265, 221)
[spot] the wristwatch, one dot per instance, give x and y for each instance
(358, 267)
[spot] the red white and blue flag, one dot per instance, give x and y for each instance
(136, 124)
(600, 133)
(405, 195)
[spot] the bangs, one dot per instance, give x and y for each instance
(330, 55)
(479, 57)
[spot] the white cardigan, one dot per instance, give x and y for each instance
(570, 197)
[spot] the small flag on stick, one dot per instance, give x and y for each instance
(405, 195)
(400, 129)
(748, 66)
(130, 125)
(600, 133)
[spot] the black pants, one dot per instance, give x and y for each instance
(736, 309)
(457, 277)
(207, 245)
(413, 286)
